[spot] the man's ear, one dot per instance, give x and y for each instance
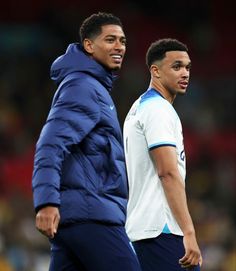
(154, 70)
(88, 46)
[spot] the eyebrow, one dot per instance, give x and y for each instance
(114, 36)
(181, 63)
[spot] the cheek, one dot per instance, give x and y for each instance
(170, 78)
(99, 56)
(173, 77)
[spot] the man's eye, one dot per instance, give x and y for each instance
(176, 67)
(110, 40)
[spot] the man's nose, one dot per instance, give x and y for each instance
(119, 45)
(185, 73)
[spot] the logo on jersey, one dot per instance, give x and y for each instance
(182, 155)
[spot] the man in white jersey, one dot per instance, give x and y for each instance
(158, 220)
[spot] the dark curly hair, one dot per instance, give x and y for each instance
(157, 49)
(92, 26)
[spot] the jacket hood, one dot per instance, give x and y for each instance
(75, 60)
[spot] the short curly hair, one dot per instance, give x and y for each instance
(92, 26)
(157, 49)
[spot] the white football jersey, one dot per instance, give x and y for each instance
(151, 122)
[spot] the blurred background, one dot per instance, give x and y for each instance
(34, 33)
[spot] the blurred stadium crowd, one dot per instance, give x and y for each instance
(34, 33)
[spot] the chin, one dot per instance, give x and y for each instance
(116, 68)
(182, 91)
(111, 67)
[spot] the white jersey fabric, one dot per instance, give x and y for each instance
(152, 122)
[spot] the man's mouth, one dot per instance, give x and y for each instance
(183, 84)
(117, 58)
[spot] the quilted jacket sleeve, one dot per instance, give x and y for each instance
(74, 113)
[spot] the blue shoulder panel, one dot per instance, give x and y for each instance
(150, 94)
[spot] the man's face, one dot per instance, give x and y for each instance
(109, 47)
(174, 72)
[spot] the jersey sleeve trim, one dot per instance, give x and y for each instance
(162, 144)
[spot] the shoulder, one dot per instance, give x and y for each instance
(156, 106)
(156, 110)
(78, 85)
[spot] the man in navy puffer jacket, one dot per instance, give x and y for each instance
(79, 179)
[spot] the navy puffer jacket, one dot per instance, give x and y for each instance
(79, 161)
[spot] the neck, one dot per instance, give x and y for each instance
(164, 92)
